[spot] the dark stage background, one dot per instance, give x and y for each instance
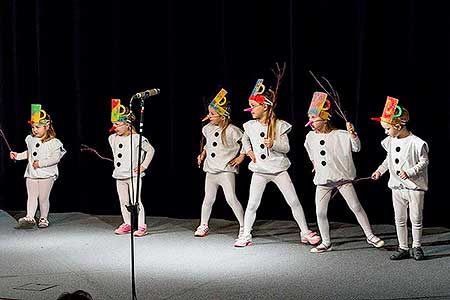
(74, 56)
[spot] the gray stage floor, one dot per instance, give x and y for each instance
(80, 251)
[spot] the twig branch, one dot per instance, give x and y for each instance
(87, 148)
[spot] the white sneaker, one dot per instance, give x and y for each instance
(321, 248)
(26, 223)
(202, 230)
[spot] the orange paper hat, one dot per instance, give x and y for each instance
(393, 113)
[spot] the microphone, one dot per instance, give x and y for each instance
(146, 94)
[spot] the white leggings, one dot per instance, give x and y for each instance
(227, 181)
(323, 195)
(404, 199)
(284, 183)
(39, 190)
(124, 189)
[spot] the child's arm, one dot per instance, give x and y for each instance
(423, 162)
(51, 160)
(354, 139)
(237, 160)
(280, 145)
(201, 157)
(18, 156)
(149, 153)
(380, 170)
(247, 147)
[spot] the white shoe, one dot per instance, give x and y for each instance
(321, 248)
(375, 241)
(202, 230)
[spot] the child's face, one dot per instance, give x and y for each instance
(121, 128)
(389, 129)
(214, 117)
(258, 109)
(39, 131)
(318, 124)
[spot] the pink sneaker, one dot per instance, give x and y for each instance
(310, 237)
(123, 229)
(202, 230)
(243, 241)
(142, 230)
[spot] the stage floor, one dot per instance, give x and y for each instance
(80, 251)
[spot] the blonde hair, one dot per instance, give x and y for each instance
(49, 134)
(223, 126)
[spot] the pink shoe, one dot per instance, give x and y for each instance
(123, 229)
(202, 230)
(142, 230)
(243, 241)
(310, 237)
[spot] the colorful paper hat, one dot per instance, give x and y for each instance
(393, 113)
(120, 113)
(320, 106)
(38, 116)
(219, 104)
(257, 93)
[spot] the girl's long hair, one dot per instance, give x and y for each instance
(223, 126)
(271, 117)
(50, 134)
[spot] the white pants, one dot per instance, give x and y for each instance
(39, 190)
(402, 200)
(323, 196)
(227, 181)
(284, 183)
(124, 189)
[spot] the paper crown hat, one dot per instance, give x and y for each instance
(220, 105)
(120, 113)
(38, 116)
(258, 93)
(393, 113)
(320, 106)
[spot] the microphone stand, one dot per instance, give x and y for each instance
(133, 208)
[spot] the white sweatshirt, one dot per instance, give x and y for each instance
(331, 154)
(275, 160)
(48, 154)
(121, 148)
(219, 155)
(409, 154)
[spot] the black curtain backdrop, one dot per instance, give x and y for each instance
(74, 56)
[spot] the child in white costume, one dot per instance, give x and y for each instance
(330, 151)
(221, 158)
(125, 146)
(407, 163)
(266, 142)
(44, 152)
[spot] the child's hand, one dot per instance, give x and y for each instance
(35, 164)
(268, 142)
(350, 128)
(141, 171)
(251, 155)
(237, 160)
(200, 158)
(13, 155)
(376, 175)
(403, 175)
